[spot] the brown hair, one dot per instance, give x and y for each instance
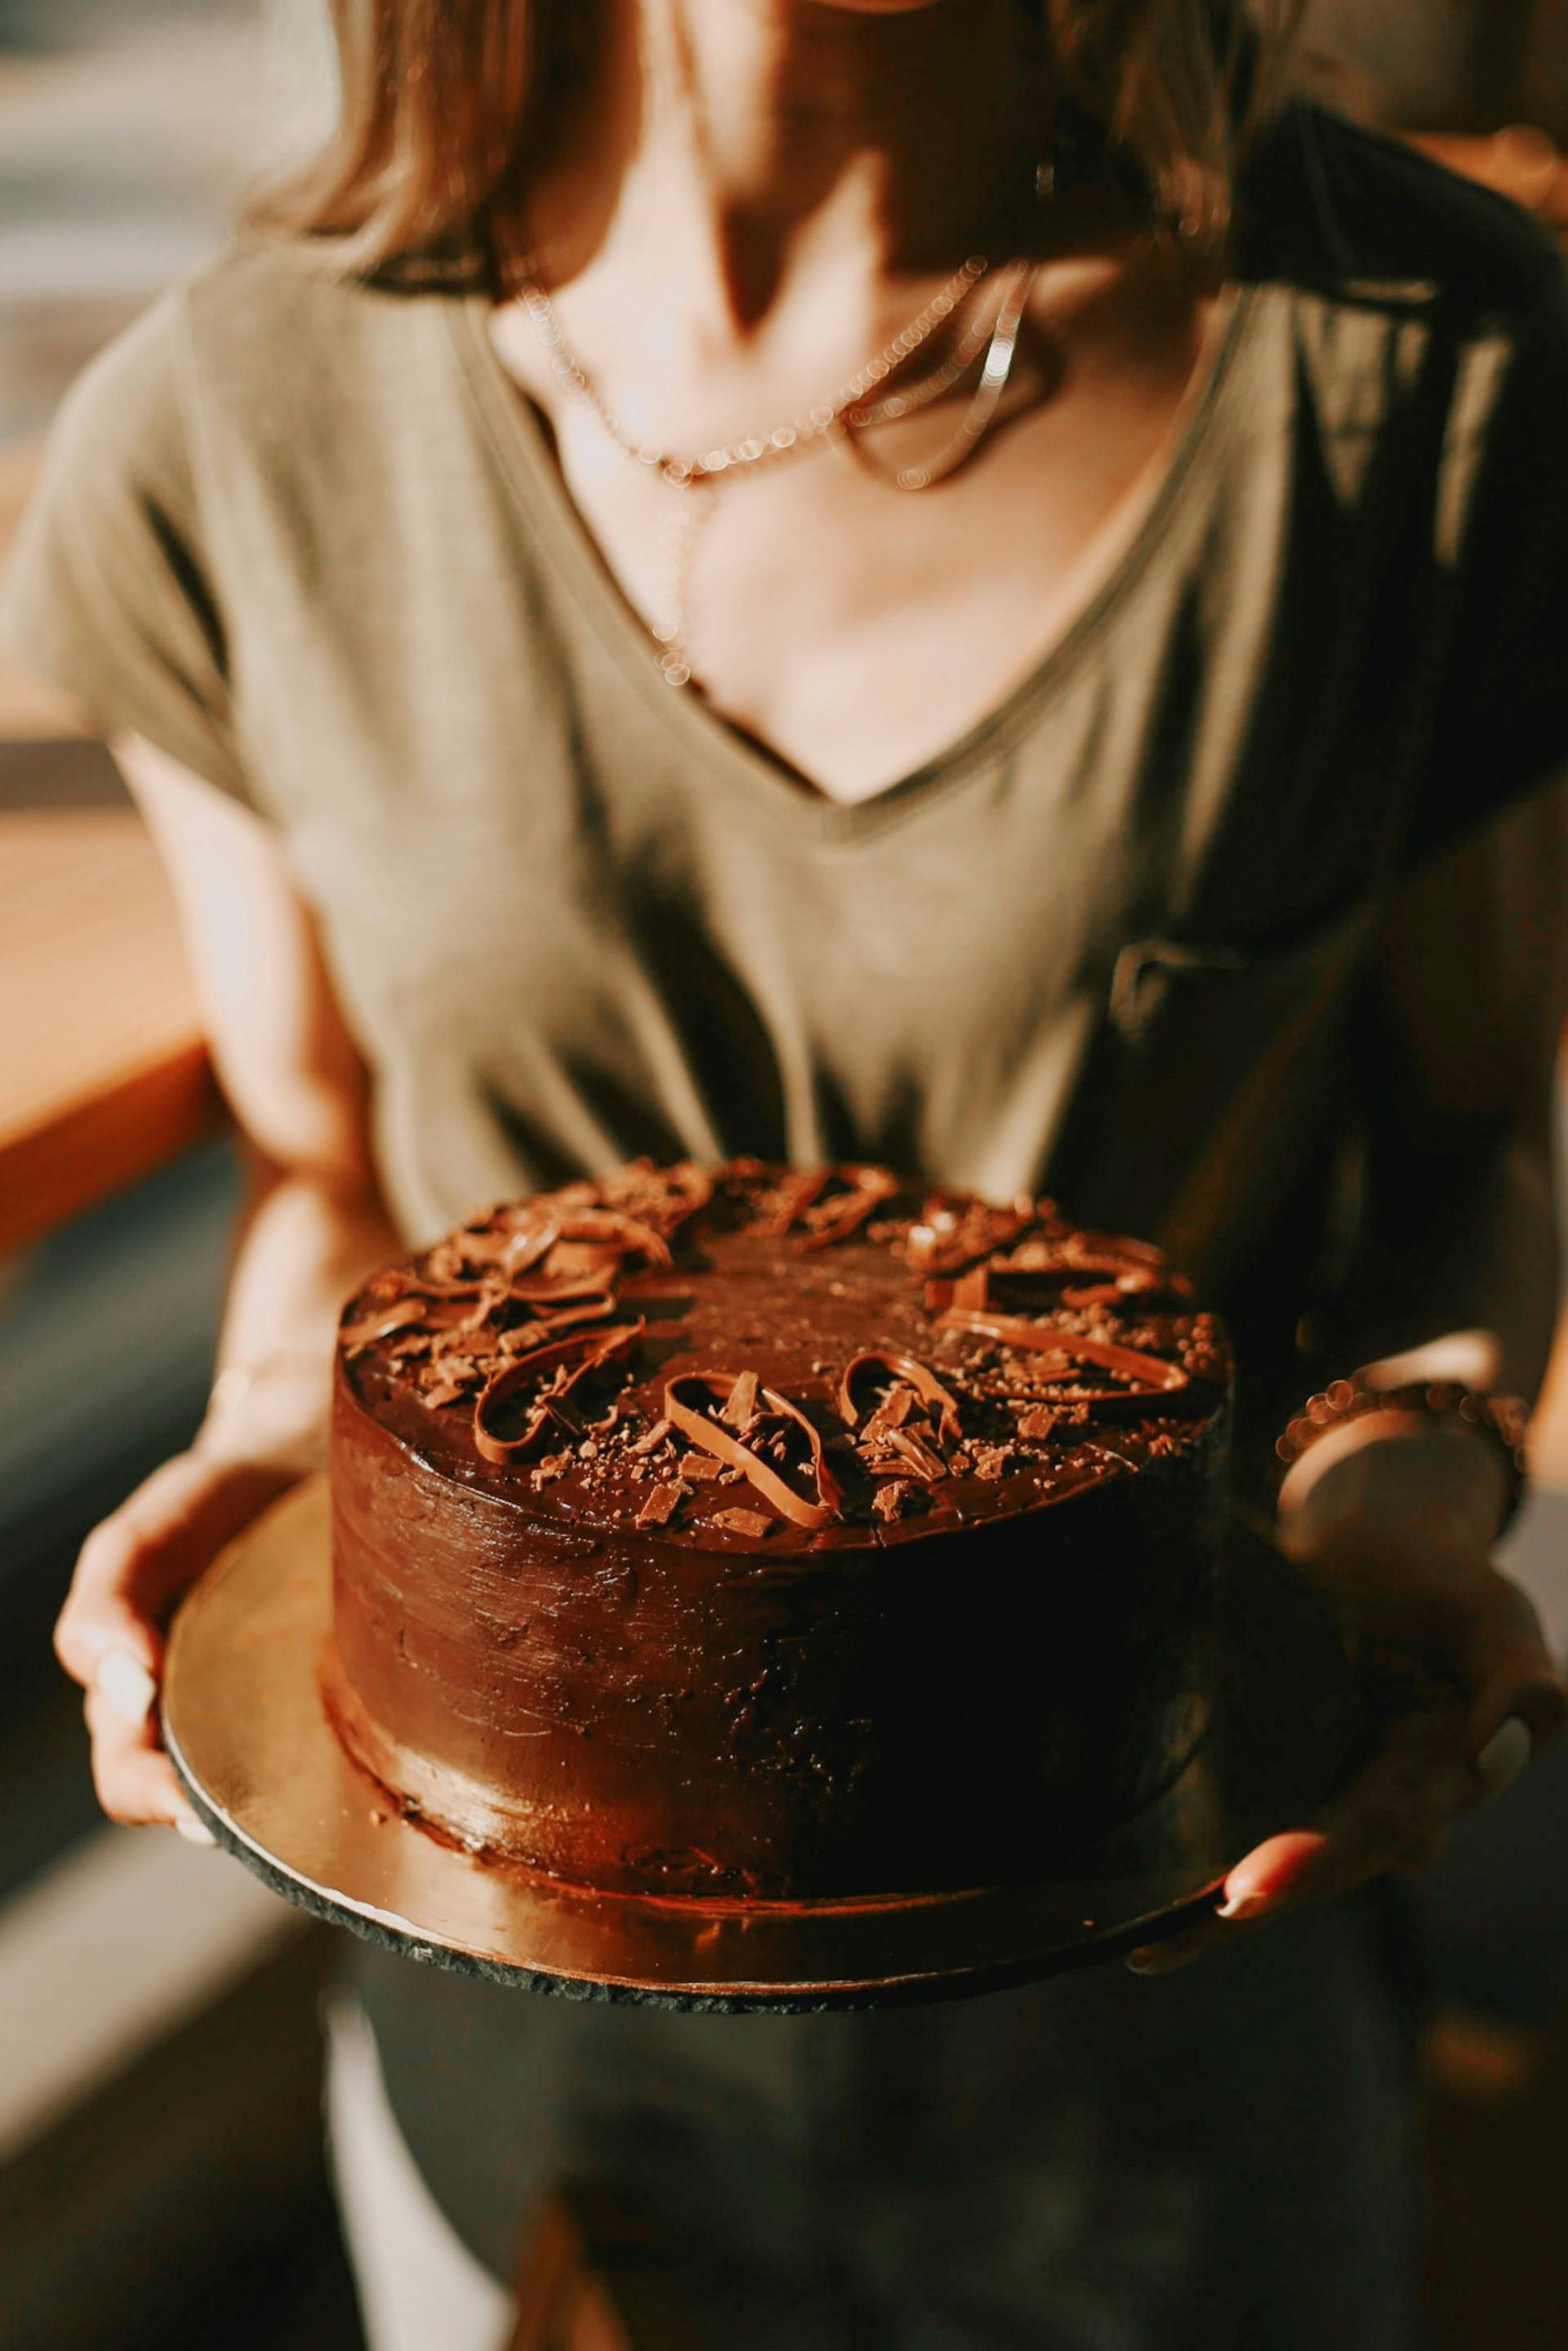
(444, 102)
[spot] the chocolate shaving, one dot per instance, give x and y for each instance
(652, 1439)
(916, 1454)
(741, 1522)
(740, 1407)
(700, 1466)
(1037, 1422)
(894, 1498)
(661, 1503)
(688, 1404)
(991, 1461)
(577, 1358)
(892, 1412)
(913, 1373)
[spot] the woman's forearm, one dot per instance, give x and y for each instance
(305, 1243)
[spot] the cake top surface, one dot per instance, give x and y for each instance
(754, 1358)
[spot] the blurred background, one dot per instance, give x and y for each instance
(160, 2173)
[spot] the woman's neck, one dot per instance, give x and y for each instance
(765, 157)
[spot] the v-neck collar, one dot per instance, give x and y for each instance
(523, 442)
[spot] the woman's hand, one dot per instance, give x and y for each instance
(131, 1573)
(1397, 1529)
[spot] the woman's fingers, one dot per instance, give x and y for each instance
(109, 1637)
(134, 1566)
(1504, 1756)
(101, 1617)
(1395, 1817)
(134, 1779)
(1493, 1696)
(1496, 1651)
(131, 1568)
(1395, 1810)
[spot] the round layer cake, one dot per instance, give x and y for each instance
(775, 1533)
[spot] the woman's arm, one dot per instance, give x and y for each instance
(314, 1227)
(1396, 1516)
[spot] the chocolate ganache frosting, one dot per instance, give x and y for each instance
(762, 1533)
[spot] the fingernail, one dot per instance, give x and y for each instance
(1155, 1959)
(1504, 1756)
(125, 1684)
(1250, 1906)
(195, 1832)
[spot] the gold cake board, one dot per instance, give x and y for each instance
(245, 1727)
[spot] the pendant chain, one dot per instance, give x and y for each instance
(857, 406)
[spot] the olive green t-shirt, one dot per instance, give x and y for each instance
(310, 538)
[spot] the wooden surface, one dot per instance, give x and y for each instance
(103, 1072)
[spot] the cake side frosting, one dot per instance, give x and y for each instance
(774, 1533)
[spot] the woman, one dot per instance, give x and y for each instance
(587, 708)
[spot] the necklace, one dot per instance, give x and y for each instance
(842, 420)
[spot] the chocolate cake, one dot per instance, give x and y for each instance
(775, 1533)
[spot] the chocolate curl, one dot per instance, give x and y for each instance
(563, 1290)
(1127, 1269)
(834, 1220)
(505, 1248)
(382, 1321)
(423, 1285)
(1150, 1375)
(609, 1229)
(693, 1188)
(592, 1306)
(588, 1351)
(948, 1239)
(1006, 1284)
(549, 1322)
(527, 1244)
(688, 1404)
(915, 1374)
(793, 1198)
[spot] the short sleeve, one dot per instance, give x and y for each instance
(1498, 720)
(108, 592)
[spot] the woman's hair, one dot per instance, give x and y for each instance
(445, 104)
